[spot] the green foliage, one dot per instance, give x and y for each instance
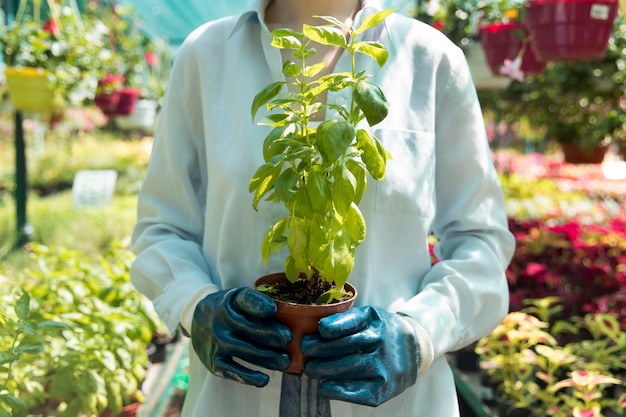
(319, 173)
(99, 365)
(74, 51)
(23, 336)
(571, 102)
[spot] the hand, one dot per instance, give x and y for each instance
(238, 324)
(365, 356)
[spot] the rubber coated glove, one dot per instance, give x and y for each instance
(365, 356)
(238, 323)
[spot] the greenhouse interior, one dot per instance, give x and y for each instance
(82, 86)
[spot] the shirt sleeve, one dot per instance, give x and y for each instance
(465, 294)
(170, 265)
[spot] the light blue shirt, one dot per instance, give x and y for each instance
(197, 231)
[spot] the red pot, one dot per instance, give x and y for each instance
(107, 102)
(570, 30)
(502, 41)
(126, 104)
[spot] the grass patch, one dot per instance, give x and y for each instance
(57, 223)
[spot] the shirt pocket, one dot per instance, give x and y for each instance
(408, 185)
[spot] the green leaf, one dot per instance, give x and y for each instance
(19, 408)
(371, 100)
(29, 348)
(373, 20)
(270, 146)
(6, 357)
(53, 325)
(344, 189)
(374, 161)
(318, 189)
(354, 224)
(319, 247)
(341, 261)
(360, 174)
(286, 39)
(262, 181)
(265, 95)
(28, 327)
(330, 296)
(334, 21)
(291, 69)
(22, 306)
(375, 50)
(291, 270)
(326, 35)
(313, 70)
(301, 204)
(274, 120)
(334, 137)
(285, 184)
(297, 239)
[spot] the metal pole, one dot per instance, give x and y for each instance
(24, 229)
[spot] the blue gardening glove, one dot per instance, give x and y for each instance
(365, 356)
(238, 323)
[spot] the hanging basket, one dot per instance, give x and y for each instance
(502, 41)
(30, 90)
(126, 104)
(570, 30)
(109, 93)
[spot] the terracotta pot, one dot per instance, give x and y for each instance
(575, 154)
(302, 319)
(570, 30)
(129, 410)
(502, 41)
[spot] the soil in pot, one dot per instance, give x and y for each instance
(301, 318)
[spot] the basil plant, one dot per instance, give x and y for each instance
(320, 172)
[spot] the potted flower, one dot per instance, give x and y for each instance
(318, 173)
(568, 30)
(53, 62)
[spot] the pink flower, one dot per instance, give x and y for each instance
(513, 69)
(151, 58)
(52, 27)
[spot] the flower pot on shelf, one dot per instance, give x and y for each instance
(577, 154)
(107, 102)
(570, 30)
(502, 41)
(108, 92)
(302, 319)
(143, 116)
(126, 104)
(30, 90)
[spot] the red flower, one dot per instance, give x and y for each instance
(151, 58)
(52, 27)
(439, 25)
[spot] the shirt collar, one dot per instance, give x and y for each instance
(257, 10)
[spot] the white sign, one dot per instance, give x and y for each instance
(93, 188)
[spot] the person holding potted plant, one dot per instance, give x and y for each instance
(198, 242)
